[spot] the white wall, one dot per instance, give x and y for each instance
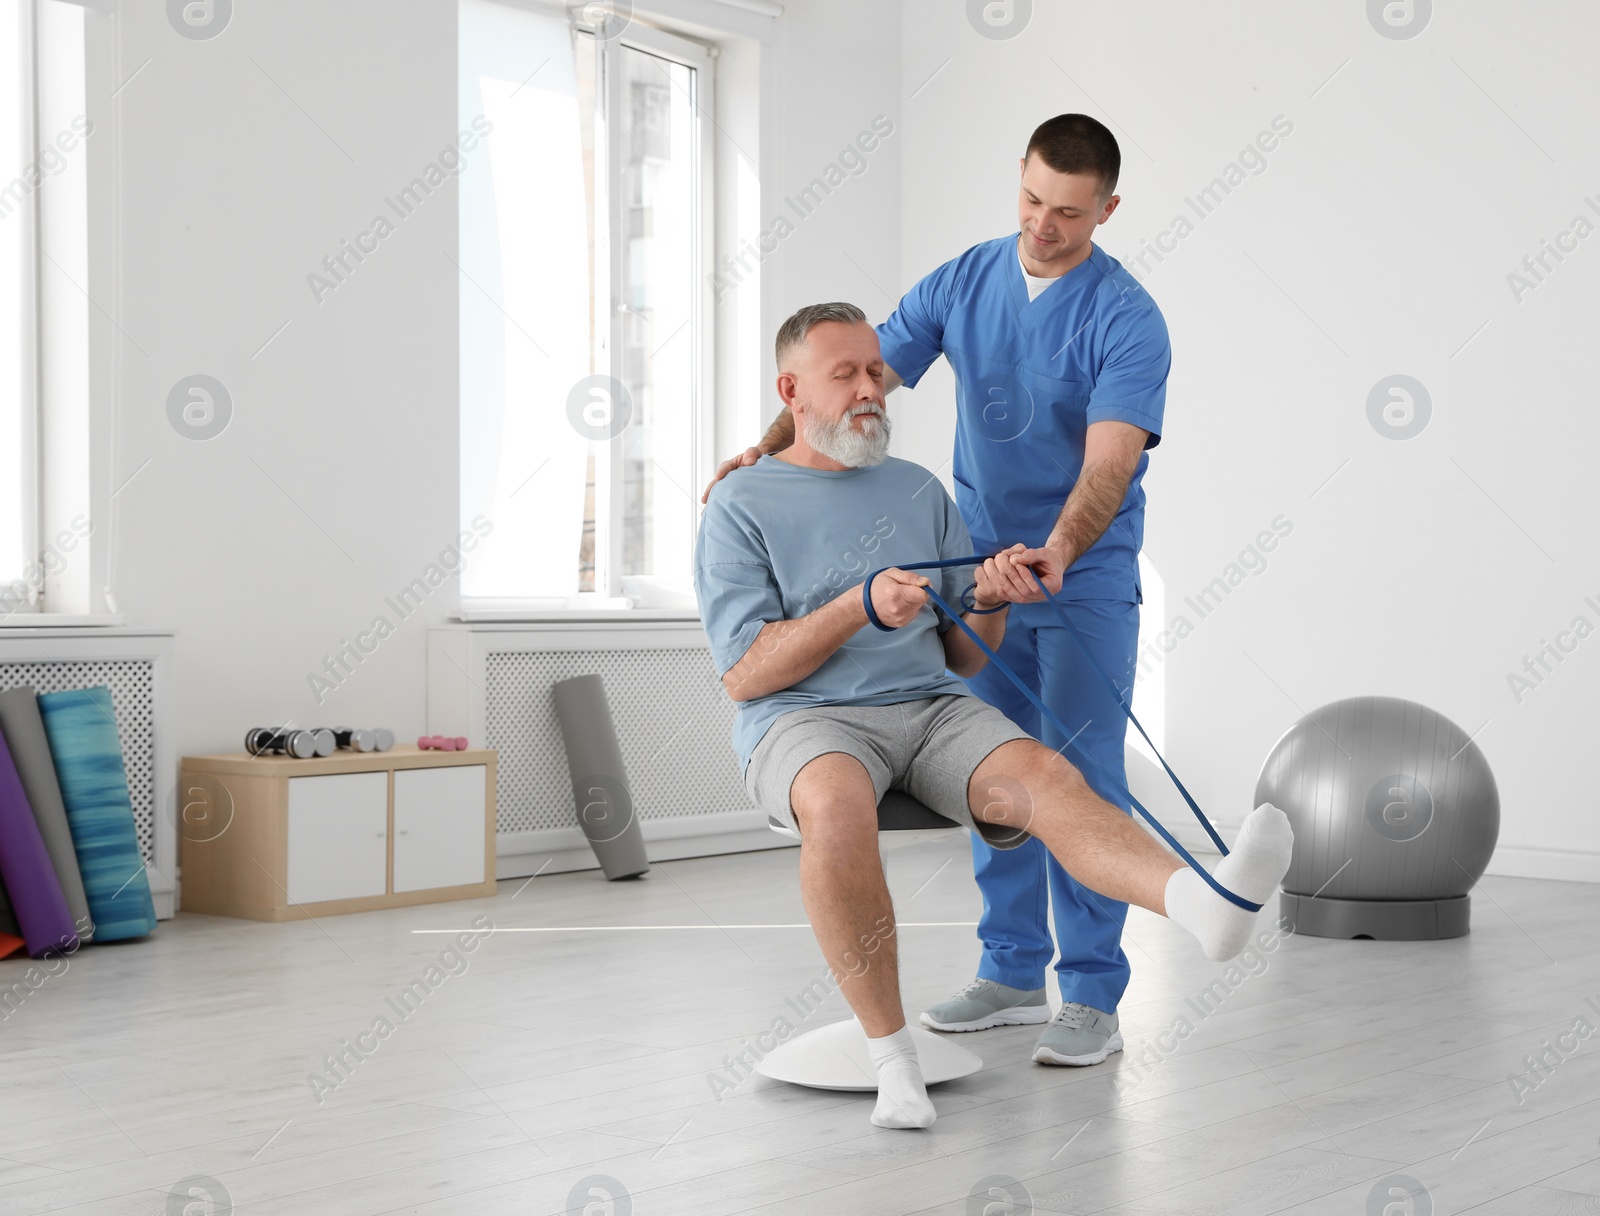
(830, 73)
(335, 483)
(1377, 241)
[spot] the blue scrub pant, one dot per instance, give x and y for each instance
(1014, 929)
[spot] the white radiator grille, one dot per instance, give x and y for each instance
(673, 718)
(132, 684)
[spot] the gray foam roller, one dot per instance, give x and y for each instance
(30, 749)
(599, 782)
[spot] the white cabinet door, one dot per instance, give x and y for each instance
(439, 826)
(338, 837)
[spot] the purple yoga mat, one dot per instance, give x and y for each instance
(35, 892)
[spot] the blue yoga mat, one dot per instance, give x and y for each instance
(36, 898)
(82, 729)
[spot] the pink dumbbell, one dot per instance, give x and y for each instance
(442, 743)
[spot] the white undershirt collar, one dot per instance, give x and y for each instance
(1035, 283)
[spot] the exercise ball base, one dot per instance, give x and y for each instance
(1383, 920)
(836, 1057)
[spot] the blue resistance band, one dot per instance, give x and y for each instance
(978, 560)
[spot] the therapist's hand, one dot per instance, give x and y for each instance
(998, 581)
(747, 457)
(1051, 565)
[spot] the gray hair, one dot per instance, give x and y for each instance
(792, 333)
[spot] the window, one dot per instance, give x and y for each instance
(17, 309)
(43, 311)
(584, 259)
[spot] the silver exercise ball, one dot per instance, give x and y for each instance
(1395, 816)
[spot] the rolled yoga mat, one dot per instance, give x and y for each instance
(36, 898)
(10, 943)
(81, 726)
(30, 751)
(599, 783)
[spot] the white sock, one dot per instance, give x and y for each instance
(1255, 867)
(902, 1097)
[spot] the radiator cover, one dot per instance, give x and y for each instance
(491, 682)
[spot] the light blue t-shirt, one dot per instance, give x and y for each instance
(1031, 375)
(778, 541)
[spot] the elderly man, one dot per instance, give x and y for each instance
(832, 714)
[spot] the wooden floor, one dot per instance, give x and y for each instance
(1325, 1070)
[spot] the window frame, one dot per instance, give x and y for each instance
(607, 597)
(29, 487)
(57, 434)
(611, 285)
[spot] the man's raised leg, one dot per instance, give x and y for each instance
(1108, 852)
(841, 882)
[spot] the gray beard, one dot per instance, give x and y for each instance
(840, 441)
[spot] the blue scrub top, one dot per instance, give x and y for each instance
(1030, 378)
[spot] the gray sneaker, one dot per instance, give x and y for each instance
(984, 1003)
(1078, 1035)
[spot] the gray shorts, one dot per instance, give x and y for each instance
(928, 748)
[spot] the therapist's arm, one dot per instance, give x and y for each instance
(786, 652)
(779, 436)
(1111, 452)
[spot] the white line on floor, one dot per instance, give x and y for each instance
(905, 924)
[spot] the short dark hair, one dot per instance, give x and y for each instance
(792, 332)
(1076, 143)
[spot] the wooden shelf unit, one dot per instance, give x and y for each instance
(274, 838)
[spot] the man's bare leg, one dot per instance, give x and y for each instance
(847, 901)
(841, 882)
(1026, 785)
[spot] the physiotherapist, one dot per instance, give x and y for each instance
(1060, 361)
